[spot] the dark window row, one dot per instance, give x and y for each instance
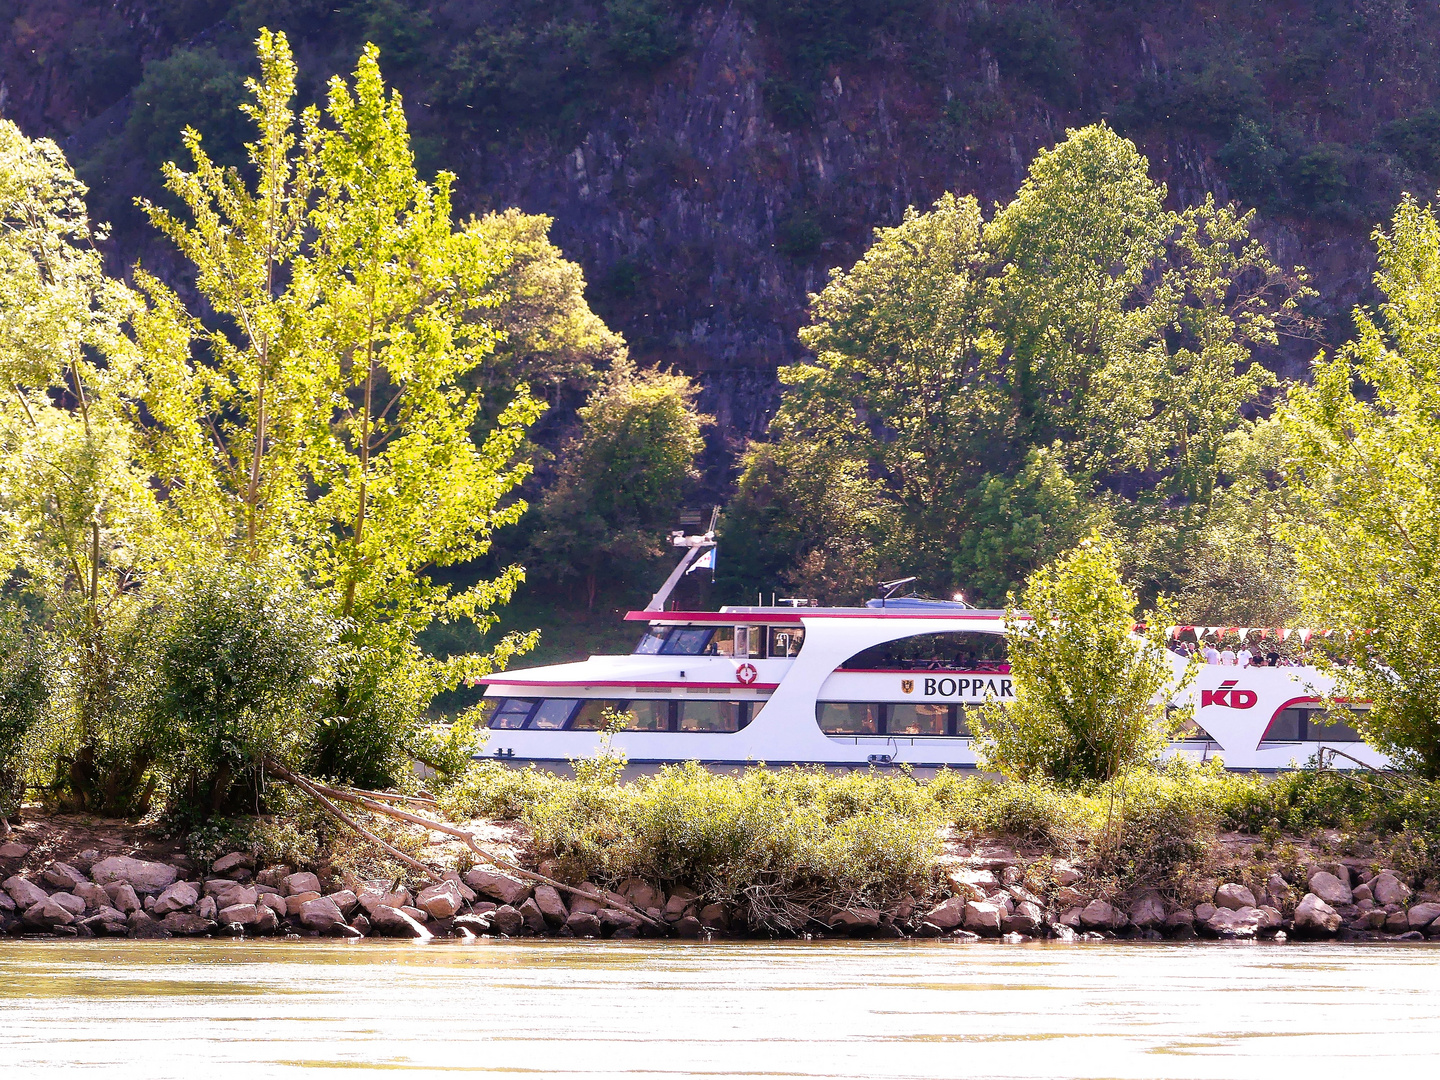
(882, 718)
(589, 714)
(753, 642)
(1306, 725)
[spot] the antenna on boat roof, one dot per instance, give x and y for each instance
(889, 588)
(698, 546)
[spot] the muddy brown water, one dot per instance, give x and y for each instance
(793, 1010)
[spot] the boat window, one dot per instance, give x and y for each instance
(710, 715)
(687, 641)
(653, 640)
(786, 640)
(591, 714)
(848, 717)
(742, 641)
(963, 728)
(1304, 725)
(511, 713)
(723, 643)
(960, 650)
(648, 715)
(1193, 732)
(552, 713)
(922, 719)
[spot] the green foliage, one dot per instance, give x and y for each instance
(974, 384)
(1031, 44)
(790, 104)
(190, 88)
(799, 234)
(1319, 179)
(239, 666)
(1366, 474)
(1088, 702)
(1416, 140)
(1252, 163)
(24, 694)
(403, 30)
(642, 34)
(621, 480)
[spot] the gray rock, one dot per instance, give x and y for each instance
(1176, 919)
(94, 896)
(143, 926)
(142, 876)
(362, 924)
(1148, 911)
(25, 893)
(641, 894)
(70, 902)
(276, 903)
(1099, 915)
(1070, 917)
(613, 920)
(6, 903)
(207, 908)
(1315, 917)
(294, 904)
(1204, 911)
(948, 914)
(1330, 888)
(184, 924)
(12, 850)
(1389, 889)
(1419, 916)
(374, 894)
(506, 890)
(1064, 873)
(108, 922)
(420, 915)
(972, 884)
(687, 927)
(1025, 919)
(676, 907)
(441, 901)
(507, 920)
(475, 924)
(47, 913)
(1234, 896)
(714, 917)
(533, 917)
(243, 914)
(236, 860)
(346, 901)
(298, 883)
(233, 894)
(548, 900)
(1068, 896)
(62, 876)
(320, 913)
(1397, 922)
(122, 896)
(392, 922)
(177, 897)
(856, 920)
(982, 918)
(466, 893)
(581, 924)
(1232, 922)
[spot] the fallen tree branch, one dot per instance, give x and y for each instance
(390, 796)
(319, 792)
(315, 793)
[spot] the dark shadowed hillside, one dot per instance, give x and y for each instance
(707, 163)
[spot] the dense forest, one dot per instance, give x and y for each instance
(706, 165)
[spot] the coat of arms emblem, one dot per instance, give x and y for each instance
(907, 685)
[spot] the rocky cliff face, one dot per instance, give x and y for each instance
(707, 196)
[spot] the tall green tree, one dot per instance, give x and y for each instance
(991, 378)
(327, 416)
(1365, 440)
(1088, 688)
(621, 481)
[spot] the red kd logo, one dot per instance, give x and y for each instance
(746, 673)
(1228, 697)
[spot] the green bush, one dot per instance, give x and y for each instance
(1253, 163)
(24, 693)
(642, 34)
(1415, 140)
(240, 665)
(1319, 179)
(1032, 45)
(191, 87)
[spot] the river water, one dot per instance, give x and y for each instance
(634, 1009)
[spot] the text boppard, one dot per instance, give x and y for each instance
(961, 687)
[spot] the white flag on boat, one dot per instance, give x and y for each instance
(704, 562)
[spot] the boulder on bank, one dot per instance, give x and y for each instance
(855, 920)
(548, 900)
(1234, 897)
(236, 860)
(376, 894)
(947, 915)
(500, 888)
(1100, 915)
(122, 896)
(142, 876)
(24, 892)
(241, 914)
(1025, 919)
(299, 883)
(1313, 916)
(441, 901)
(1387, 889)
(63, 876)
(581, 924)
(1064, 873)
(184, 924)
(1422, 915)
(983, 918)
(295, 903)
(392, 922)
(47, 914)
(1148, 911)
(177, 897)
(1330, 888)
(320, 913)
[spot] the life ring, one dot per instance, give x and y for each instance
(746, 673)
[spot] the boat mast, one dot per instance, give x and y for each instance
(698, 545)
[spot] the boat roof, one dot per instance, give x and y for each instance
(933, 609)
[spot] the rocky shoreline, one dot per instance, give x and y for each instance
(996, 899)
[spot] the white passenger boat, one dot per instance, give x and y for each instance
(890, 683)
